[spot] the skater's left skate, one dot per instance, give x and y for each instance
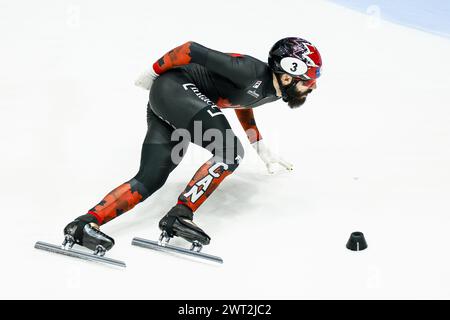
(178, 223)
(85, 232)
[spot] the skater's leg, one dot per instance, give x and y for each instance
(216, 136)
(209, 124)
(156, 165)
(118, 201)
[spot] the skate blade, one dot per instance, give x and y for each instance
(77, 254)
(149, 244)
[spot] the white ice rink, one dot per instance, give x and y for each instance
(371, 149)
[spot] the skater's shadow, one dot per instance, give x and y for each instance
(224, 204)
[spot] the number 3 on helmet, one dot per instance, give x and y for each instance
(296, 57)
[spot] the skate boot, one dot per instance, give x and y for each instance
(178, 222)
(85, 232)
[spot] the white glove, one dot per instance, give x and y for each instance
(145, 79)
(269, 158)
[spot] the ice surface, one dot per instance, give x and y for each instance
(370, 149)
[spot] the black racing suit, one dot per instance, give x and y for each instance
(194, 83)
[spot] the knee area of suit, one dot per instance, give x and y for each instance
(231, 153)
(150, 181)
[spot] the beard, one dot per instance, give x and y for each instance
(295, 98)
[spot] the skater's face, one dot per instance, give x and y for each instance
(301, 86)
(296, 95)
(306, 86)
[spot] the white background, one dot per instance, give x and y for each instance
(370, 149)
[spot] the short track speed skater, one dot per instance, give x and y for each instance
(178, 223)
(85, 233)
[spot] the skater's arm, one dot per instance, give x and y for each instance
(247, 120)
(235, 67)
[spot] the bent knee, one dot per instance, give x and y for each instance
(231, 153)
(152, 179)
